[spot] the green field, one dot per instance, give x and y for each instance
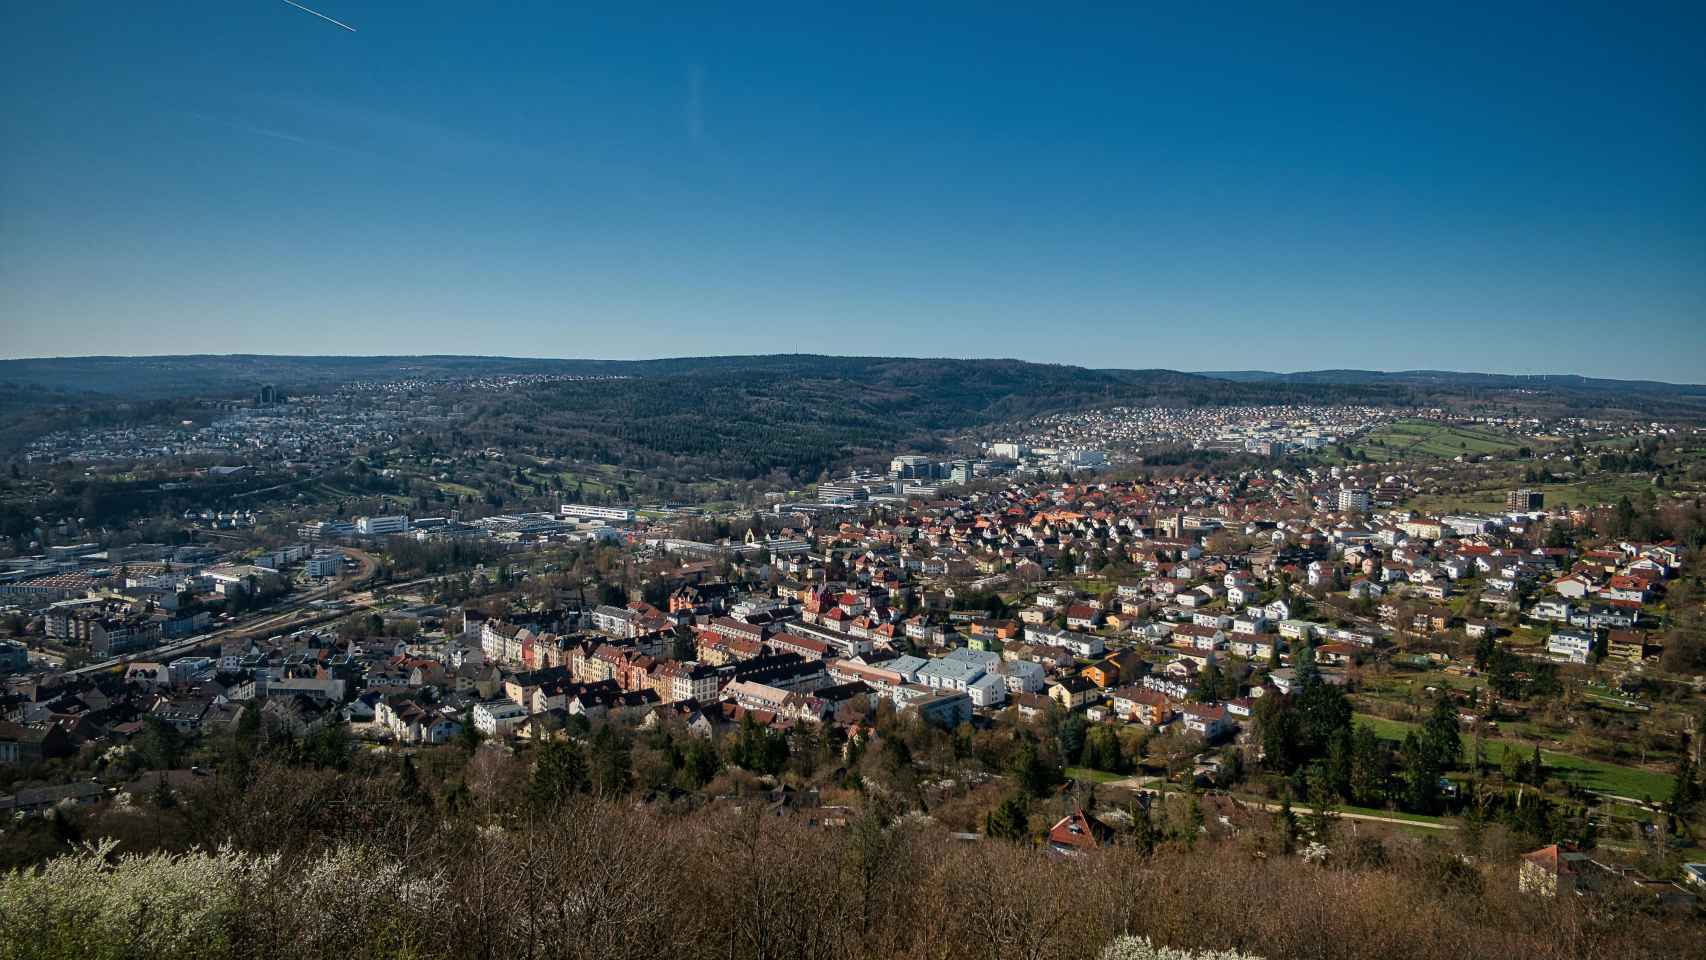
(1094, 776)
(1607, 488)
(1589, 774)
(1408, 439)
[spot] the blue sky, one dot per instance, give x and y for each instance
(1194, 186)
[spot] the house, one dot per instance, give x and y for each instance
(498, 718)
(1577, 647)
(1022, 676)
(1195, 637)
(1336, 654)
(1081, 616)
(1142, 705)
(1551, 868)
(1211, 722)
(42, 799)
(1074, 692)
(1253, 648)
(1077, 832)
(1115, 669)
(1626, 645)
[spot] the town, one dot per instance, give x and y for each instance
(1275, 648)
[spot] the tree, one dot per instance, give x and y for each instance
(699, 763)
(409, 784)
(1285, 822)
(612, 763)
(1102, 750)
(1072, 733)
(559, 772)
(1010, 820)
(1442, 736)
(1034, 774)
(161, 744)
(1371, 767)
(1143, 833)
(1278, 726)
(682, 649)
(1484, 650)
(1324, 803)
(1685, 789)
(762, 750)
(328, 747)
(1421, 776)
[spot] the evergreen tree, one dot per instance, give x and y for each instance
(1442, 737)
(409, 784)
(1033, 773)
(1285, 822)
(1010, 820)
(699, 763)
(1072, 733)
(560, 771)
(611, 762)
(1143, 833)
(1324, 801)
(1685, 790)
(1421, 776)
(1371, 767)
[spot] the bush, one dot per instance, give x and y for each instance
(1139, 948)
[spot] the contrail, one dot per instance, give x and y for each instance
(320, 15)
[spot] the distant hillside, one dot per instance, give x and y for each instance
(802, 414)
(744, 416)
(1448, 379)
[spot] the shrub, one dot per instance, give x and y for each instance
(1139, 948)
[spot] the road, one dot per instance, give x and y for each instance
(289, 614)
(1152, 783)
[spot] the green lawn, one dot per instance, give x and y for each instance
(1095, 776)
(1405, 439)
(1393, 814)
(1590, 774)
(1603, 488)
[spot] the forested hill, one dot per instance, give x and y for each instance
(743, 416)
(241, 374)
(1449, 379)
(801, 414)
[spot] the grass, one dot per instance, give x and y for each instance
(1589, 774)
(1603, 488)
(1095, 776)
(1424, 439)
(1392, 814)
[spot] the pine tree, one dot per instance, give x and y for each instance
(1442, 737)
(1684, 789)
(1010, 820)
(560, 771)
(409, 783)
(1325, 813)
(1285, 821)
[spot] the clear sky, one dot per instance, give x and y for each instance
(1504, 186)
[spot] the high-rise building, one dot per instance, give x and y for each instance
(911, 467)
(1525, 500)
(381, 526)
(1353, 500)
